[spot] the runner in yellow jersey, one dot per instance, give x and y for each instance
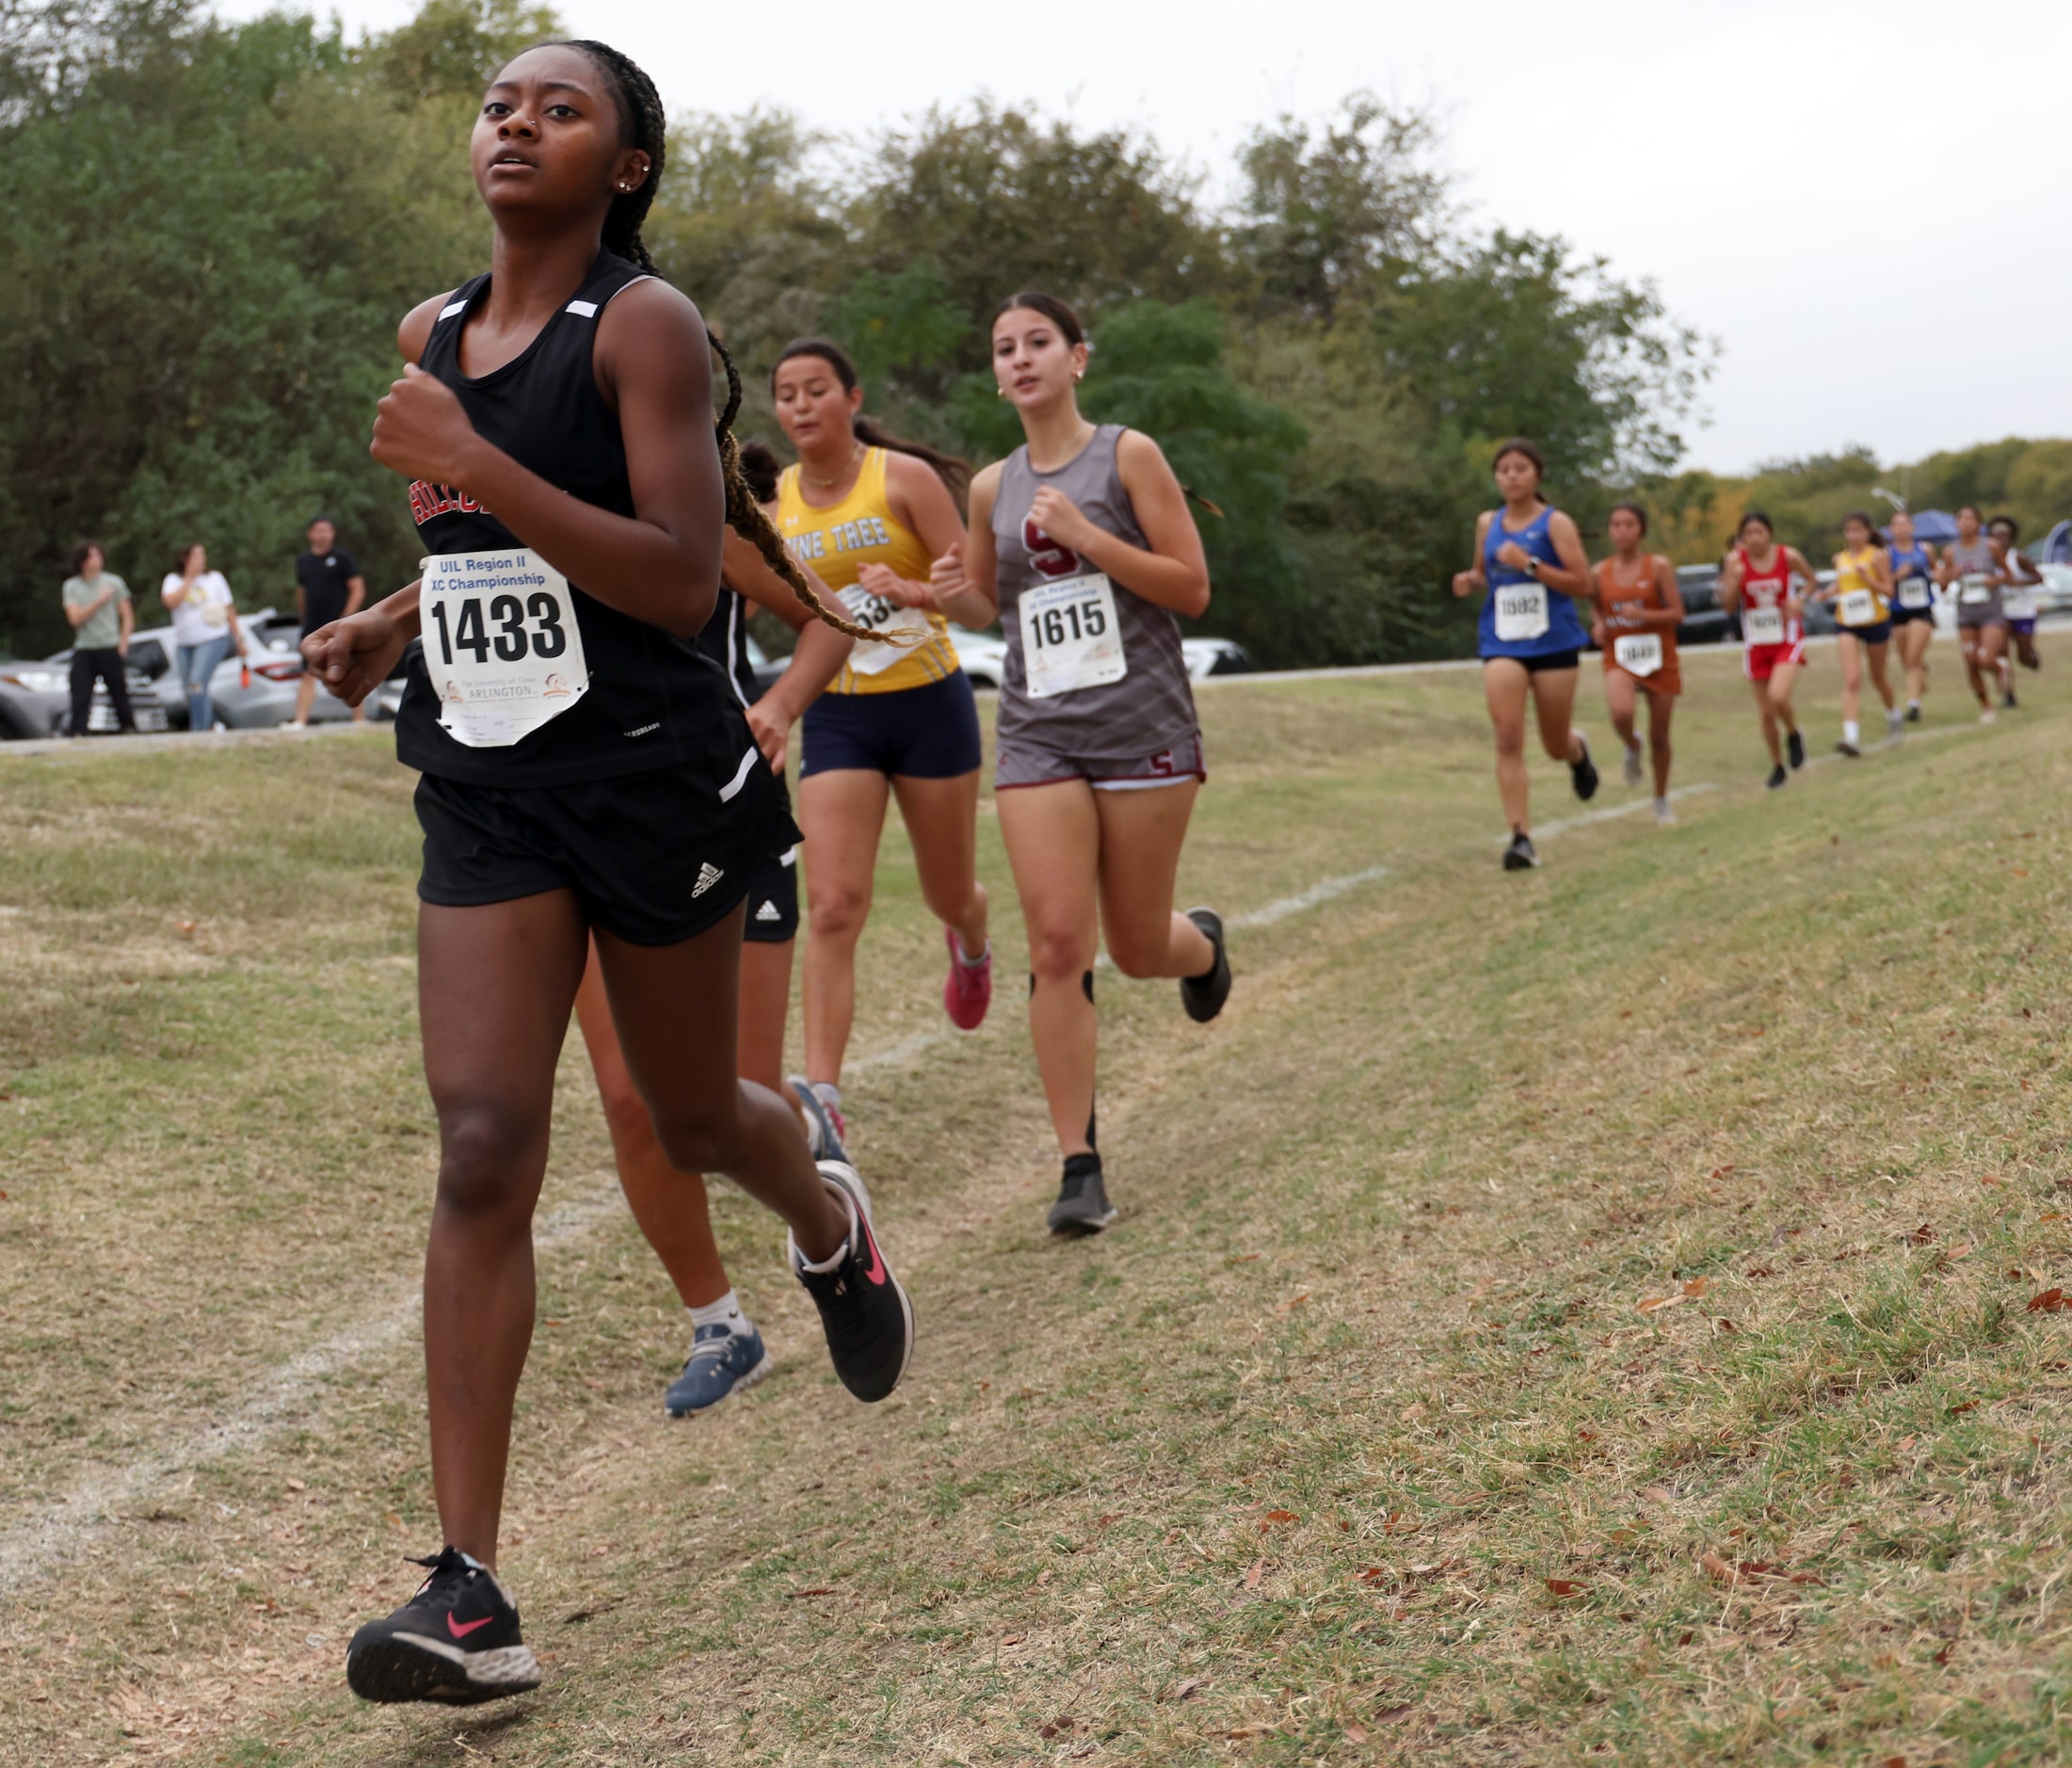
(870, 513)
(1862, 598)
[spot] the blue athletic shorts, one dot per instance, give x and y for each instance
(927, 732)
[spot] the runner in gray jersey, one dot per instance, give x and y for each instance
(1081, 543)
(1140, 726)
(1967, 563)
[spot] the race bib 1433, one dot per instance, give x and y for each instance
(502, 644)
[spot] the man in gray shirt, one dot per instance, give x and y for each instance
(97, 602)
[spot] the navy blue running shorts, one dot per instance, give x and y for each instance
(927, 732)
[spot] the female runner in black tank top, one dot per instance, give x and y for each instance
(562, 407)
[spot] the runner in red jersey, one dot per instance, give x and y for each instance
(1756, 583)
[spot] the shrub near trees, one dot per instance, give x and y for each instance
(213, 227)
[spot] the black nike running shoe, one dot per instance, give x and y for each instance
(1081, 1206)
(1848, 748)
(868, 1320)
(1520, 856)
(1794, 746)
(457, 1641)
(1583, 774)
(1778, 777)
(1203, 996)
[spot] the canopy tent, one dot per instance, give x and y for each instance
(1936, 527)
(2057, 546)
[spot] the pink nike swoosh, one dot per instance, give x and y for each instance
(875, 1272)
(461, 1631)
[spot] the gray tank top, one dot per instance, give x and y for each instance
(1974, 558)
(1151, 706)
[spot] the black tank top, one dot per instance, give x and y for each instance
(654, 700)
(724, 639)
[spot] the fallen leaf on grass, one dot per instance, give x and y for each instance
(1659, 1495)
(1920, 1236)
(2051, 1216)
(1043, 1578)
(1376, 1575)
(1011, 1639)
(1186, 1691)
(2019, 872)
(1057, 1727)
(1652, 1303)
(1388, 1715)
(818, 1589)
(1697, 1287)
(1292, 1303)
(1277, 1515)
(2051, 1301)
(1255, 1574)
(1962, 1406)
(1583, 1434)
(1354, 1731)
(1719, 1568)
(1565, 1587)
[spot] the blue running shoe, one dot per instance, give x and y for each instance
(722, 1362)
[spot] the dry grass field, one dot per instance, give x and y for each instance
(1603, 1314)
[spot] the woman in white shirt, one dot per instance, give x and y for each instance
(204, 627)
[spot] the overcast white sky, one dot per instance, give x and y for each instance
(1863, 202)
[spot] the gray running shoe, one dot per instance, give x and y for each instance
(1630, 766)
(722, 1361)
(824, 1128)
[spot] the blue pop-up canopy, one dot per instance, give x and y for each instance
(2056, 545)
(1936, 527)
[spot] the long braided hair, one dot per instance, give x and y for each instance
(640, 106)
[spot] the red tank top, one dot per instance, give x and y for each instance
(1765, 589)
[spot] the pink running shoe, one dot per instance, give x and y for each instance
(968, 989)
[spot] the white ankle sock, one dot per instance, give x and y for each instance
(1849, 730)
(842, 1251)
(973, 963)
(726, 1311)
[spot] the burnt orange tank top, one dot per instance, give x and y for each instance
(1646, 651)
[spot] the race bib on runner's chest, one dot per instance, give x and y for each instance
(1913, 592)
(877, 615)
(1637, 653)
(1521, 611)
(1070, 639)
(502, 644)
(1856, 607)
(1762, 626)
(1974, 590)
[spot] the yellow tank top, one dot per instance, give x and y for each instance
(1853, 576)
(838, 542)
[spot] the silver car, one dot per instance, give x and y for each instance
(259, 701)
(35, 699)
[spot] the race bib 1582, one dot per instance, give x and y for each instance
(1521, 611)
(502, 644)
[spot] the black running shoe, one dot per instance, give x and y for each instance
(868, 1320)
(1520, 855)
(1583, 774)
(456, 1641)
(2008, 701)
(1913, 713)
(1848, 748)
(1794, 746)
(1778, 777)
(1203, 996)
(1081, 1206)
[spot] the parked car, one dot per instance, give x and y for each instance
(35, 699)
(984, 656)
(1215, 656)
(1705, 621)
(267, 700)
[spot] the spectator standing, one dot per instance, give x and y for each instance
(204, 627)
(97, 602)
(328, 588)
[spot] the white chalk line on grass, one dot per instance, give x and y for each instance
(1583, 819)
(292, 1389)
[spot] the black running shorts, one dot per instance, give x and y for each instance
(653, 859)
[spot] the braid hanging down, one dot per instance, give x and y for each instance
(648, 126)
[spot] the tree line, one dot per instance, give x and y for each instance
(215, 226)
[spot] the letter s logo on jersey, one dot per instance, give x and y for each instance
(1045, 553)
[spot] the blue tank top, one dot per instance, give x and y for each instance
(1913, 562)
(1565, 628)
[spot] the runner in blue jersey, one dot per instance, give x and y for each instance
(1530, 558)
(1913, 606)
